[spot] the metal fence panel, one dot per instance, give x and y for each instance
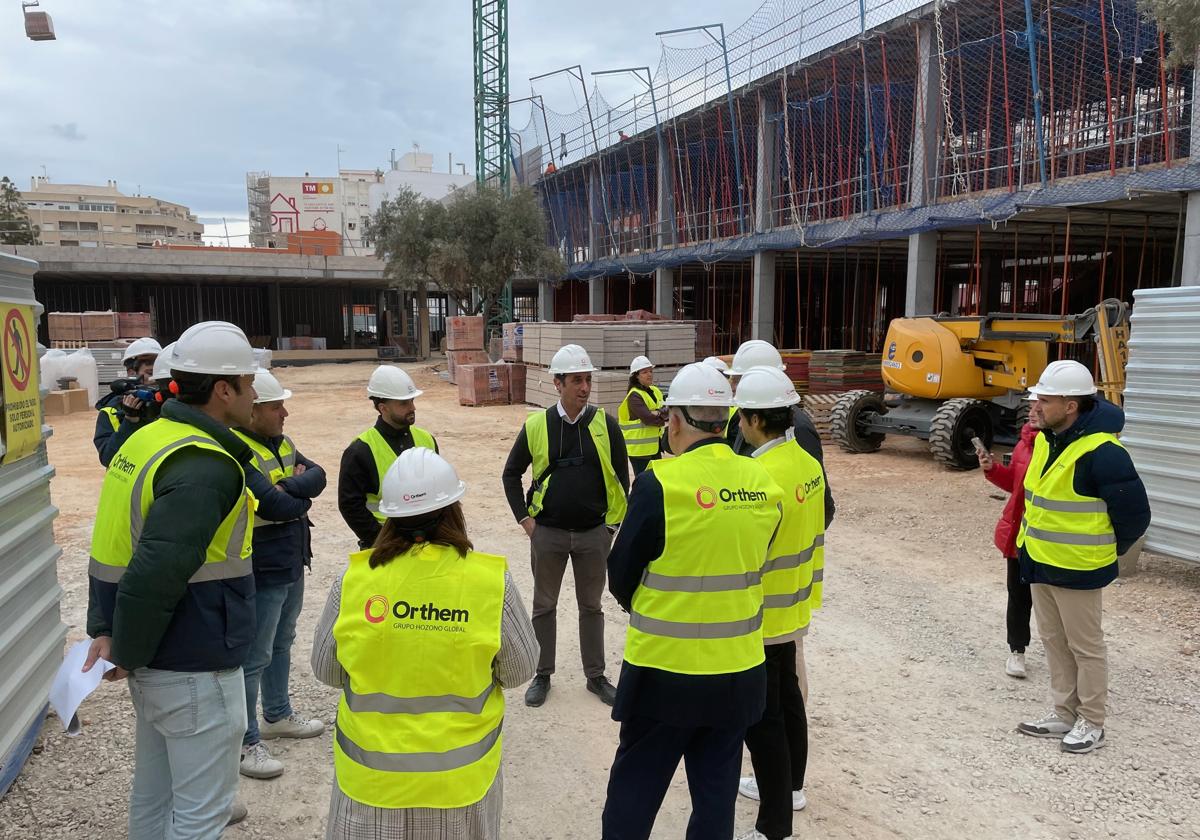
(1162, 414)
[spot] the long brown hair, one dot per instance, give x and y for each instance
(446, 527)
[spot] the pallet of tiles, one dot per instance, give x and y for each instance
(796, 366)
(608, 388)
(836, 371)
(818, 407)
(671, 344)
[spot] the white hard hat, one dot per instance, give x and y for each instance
(389, 382)
(765, 387)
(716, 362)
(162, 365)
(419, 481)
(699, 384)
(141, 347)
(218, 348)
(1066, 378)
(268, 389)
(571, 358)
(755, 353)
(640, 363)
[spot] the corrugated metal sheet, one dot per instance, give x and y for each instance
(31, 633)
(1162, 414)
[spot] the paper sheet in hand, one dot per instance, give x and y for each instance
(71, 685)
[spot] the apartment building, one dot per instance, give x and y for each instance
(91, 216)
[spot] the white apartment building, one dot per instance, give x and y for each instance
(90, 216)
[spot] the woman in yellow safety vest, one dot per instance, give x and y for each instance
(642, 416)
(421, 634)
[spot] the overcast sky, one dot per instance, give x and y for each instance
(181, 99)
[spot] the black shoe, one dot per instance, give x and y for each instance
(602, 688)
(535, 695)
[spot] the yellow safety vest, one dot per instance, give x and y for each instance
(699, 607)
(112, 416)
(641, 441)
(1061, 528)
(275, 469)
(537, 436)
(795, 567)
(384, 456)
(419, 722)
(733, 410)
(128, 493)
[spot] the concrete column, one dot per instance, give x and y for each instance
(596, 288)
(762, 307)
(922, 275)
(595, 218)
(1190, 266)
(275, 315)
(666, 195)
(926, 137)
(664, 292)
(764, 195)
(545, 303)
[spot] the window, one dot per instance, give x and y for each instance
(99, 208)
(72, 226)
(92, 226)
(65, 207)
(108, 228)
(90, 244)
(48, 226)
(74, 243)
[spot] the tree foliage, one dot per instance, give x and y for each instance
(1180, 20)
(471, 247)
(15, 225)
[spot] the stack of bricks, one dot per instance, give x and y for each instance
(464, 344)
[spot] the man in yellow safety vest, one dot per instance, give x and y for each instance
(687, 565)
(1084, 506)
(366, 460)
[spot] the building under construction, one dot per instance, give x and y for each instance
(829, 166)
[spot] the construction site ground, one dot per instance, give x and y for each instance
(911, 716)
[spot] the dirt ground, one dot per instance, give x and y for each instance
(911, 715)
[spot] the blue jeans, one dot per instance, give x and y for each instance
(186, 756)
(270, 659)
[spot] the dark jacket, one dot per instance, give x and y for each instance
(1011, 479)
(576, 499)
(281, 551)
(106, 439)
(154, 616)
(684, 700)
(1107, 473)
(809, 440)
(358, 477)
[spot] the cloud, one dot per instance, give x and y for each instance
(70, 131)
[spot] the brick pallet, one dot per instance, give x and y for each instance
(797, 368)
(612, 345)
(836, 371)
(458, 358)
(513, 342)
(464, 332)
(484, 384)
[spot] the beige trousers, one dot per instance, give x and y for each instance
(1069, 622)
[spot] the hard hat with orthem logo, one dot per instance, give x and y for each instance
(697, 385)
(389, 382)
(640, 363)
(571, 358)
(217, 348)
(1065, 378)
(268, 389)
(419, 481)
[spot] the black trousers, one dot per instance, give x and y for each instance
(1020, 606)
(646, 759)
(778, 743)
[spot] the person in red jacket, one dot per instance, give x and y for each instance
(1011, 479)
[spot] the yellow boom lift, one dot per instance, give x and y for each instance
(950, 379)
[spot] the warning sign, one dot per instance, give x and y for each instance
(22, 402)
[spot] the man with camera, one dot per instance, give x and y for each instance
(130, 404)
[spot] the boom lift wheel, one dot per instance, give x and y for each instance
(846, 421)
(954, 424)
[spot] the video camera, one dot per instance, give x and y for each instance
(147, 393)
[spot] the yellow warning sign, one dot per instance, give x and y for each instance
(22, 402)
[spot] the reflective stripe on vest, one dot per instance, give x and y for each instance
(641, 441)
(794, 569)
(384, 456)
(113, 420)
(419, 723)
(274, 469)
(128, 494)
(537, 437)
(1061, 528)
(699, 608)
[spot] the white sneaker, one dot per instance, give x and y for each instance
(757, 835)
(258, 764)
(748, 787)
(1015, 667)
(1084, 737)
(1050, 726)
(292, 726)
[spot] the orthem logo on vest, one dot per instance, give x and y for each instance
(375, 616)
(377, 608)
(707, 497)
(122, 464)
(802, 490)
